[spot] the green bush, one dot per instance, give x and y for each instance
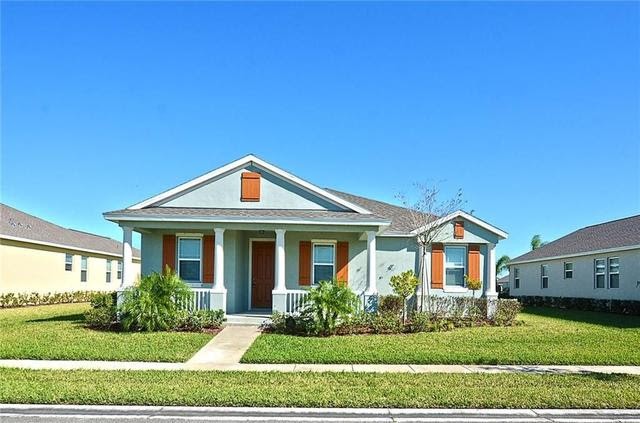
(420, 322)
(103, 311)
(198, 320)
(387, 322)
(34, 298)
(390, 304)
(153, 304)
(506, 312)
(329, 303)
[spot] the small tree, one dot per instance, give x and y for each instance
(502, 264)
(328, 303)
(537, 242)
(404, 285)
(426, 215)
(473, 284)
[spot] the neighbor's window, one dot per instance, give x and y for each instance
(108, 271)
(599, 271)
(516, 278)
(614, 272)
(119, 274)
(68, 262)
(568, 270)
(544, 272)
(323, 262)
(454, 265)
(83, 269)
(189, 259)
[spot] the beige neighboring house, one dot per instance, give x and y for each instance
(39, 256)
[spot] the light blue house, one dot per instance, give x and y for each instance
(251, 236)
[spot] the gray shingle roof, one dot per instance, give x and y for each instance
(614, 234)
(15, 223)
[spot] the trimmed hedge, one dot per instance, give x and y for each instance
(34, 298)
(630, 307)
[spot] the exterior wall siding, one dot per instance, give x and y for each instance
(582, 285)
(26, 267)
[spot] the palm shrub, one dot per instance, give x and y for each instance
(155, 302)
(404, 285)
(329, 303)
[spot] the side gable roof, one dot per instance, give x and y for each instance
(621, 233)
(20, 226)
(471, 218)
(249, 160)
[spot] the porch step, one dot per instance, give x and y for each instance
(246, 319)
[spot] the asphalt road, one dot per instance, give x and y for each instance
(110, 414)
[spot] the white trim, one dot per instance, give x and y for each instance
(497, 231)
(62, 246)
(609, 273)
(215, 219)
(586, 253)
(249, 306)
(454, 288)
(178, 259)
(332, 243)
(564, 269)
(596, 274)
(249, 159)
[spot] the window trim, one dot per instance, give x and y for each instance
(322, 242)
(119, 270)
(516, 278)
(596, 274)
(108, 272)
(609, 273)
(454, 288)
(84, 273)
(564, 266)
(178, 259)
(68, 262)
(543, 277)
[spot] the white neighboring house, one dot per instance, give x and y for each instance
(600, 261)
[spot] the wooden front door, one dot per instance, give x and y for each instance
(263, 266)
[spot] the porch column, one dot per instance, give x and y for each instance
(491, 293)
(372, 289)
(218, 291)
(279, 294)
(127, 262)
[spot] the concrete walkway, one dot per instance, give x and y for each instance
(225, 348)
(355, 368)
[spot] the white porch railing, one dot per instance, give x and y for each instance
(295, 299)
(200, 299)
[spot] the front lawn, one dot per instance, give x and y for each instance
(548, 336)
(56, 332)
(263, 389)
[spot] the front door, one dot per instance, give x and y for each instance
(262, 273)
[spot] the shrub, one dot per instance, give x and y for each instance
(420, 322)
(404, 285)
(473, 284)
(153, 304)
(390, 304)
(103, 311)
(34, 298)
(506, 312)
(292, 324)
(631, 307)
(357, 323)
(387, 323)
(198, 320)
(328, 304)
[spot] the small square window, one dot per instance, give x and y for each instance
(568, 270)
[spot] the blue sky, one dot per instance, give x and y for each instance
(532, 109)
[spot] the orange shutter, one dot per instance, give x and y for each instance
(458, 230)
(250, 182)
(304, 264)
(474, 261)
(207, 259)
(437, 265)
(169, 252)
(342, 262)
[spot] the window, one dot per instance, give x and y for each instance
(568, 270)
(516, 278)
(454, 265)
(189, 259)
(83, 269)
(614, 272)
(108, 271)
(544, 272)
(68, 262)
(119, 273)
(599, 271)
(323, 262)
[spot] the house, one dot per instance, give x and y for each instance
(39, 256)
(251, 236)
(503, 283)
(600, 262)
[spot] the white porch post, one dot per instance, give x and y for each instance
(372, 289)
(127, 262)
(279, 294)
(218, 291)
(491, 292)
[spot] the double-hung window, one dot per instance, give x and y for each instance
(68, 262)
(599, 272)
(324, 256)
(108, 271)
(83, 268)
(544, 272)
(614, 272)
(568, 270)
(189, 259)
(516, 278)
(455, 265)
(119, 272)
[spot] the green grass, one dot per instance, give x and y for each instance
(548, 336)
(56, 332)
(318, 389)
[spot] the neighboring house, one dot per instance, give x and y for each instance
(38, 256)
(251, 236)
(503, 283)
(600, 261)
